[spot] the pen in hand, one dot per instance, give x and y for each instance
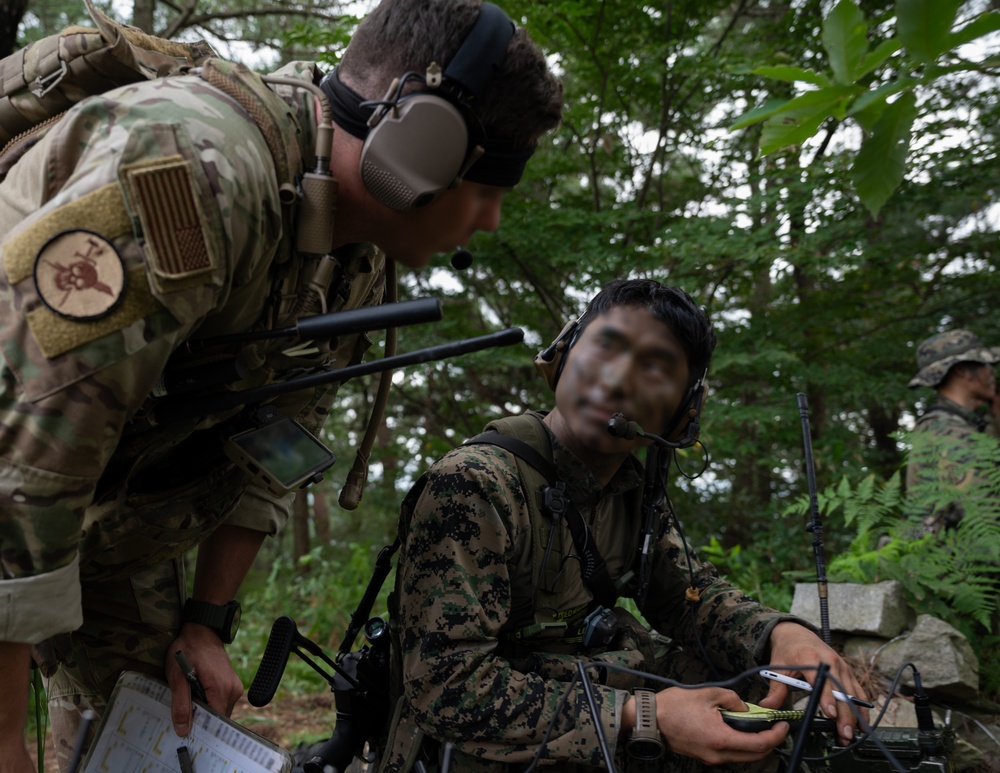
(804, 685)
(184, 758)
(197, 691)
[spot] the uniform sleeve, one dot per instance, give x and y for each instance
(465, 530)
(152, 209)
(733, 627)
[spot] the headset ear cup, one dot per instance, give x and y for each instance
(414, 152)
(549, 361)
(688, 427)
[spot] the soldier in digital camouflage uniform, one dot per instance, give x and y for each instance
(482, 587)
(147, 217)
(960, 369)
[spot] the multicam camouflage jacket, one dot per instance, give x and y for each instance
(149, 216)
(943, 454)
(467, 544)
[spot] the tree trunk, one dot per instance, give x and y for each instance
(321, 515)
(142, 15)
(300, 524)
(11, 13)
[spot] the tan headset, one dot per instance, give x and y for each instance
(683, 428)
(419, 143)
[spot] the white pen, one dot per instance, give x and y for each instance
(804, 685)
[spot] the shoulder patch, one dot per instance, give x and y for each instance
(56, 334)
(163, 194)
(79, 275)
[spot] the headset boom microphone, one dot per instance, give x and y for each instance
(621, 427)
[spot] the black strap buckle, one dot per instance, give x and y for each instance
(554, 499)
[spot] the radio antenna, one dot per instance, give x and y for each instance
(815, 525)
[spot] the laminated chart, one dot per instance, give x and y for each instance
(137, 736)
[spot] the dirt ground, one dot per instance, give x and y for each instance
(286, 721)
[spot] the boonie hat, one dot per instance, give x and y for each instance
(938, 353)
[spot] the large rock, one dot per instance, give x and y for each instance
(948, 667)
(875, 610)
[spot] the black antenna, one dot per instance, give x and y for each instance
(815, 525)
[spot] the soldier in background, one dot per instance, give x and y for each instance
(496, 597)
(960, 369)
(165, 212)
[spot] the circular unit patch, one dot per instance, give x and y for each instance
(79, 275)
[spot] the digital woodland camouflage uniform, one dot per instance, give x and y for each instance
(467, 563)
(165, 195)
(945, 438)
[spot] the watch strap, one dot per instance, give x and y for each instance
(645, 742)
(645, 715)
(214, 616)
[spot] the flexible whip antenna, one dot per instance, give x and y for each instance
(815, 525)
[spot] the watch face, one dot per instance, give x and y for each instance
(645, 749)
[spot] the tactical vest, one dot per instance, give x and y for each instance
(545, 611)
(549, 600)
(542, 619)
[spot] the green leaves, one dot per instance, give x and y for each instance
(861, 81)
(799, 119)
(924, 27)
(879, 166)
(845, 39)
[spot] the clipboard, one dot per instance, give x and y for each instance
(136, 734)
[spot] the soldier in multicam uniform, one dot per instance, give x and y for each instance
(960, 369)
(488, 601)
(149, 216)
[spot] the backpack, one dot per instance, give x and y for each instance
(39, 82)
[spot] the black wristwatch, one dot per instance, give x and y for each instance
(645, 742)
(224, 620)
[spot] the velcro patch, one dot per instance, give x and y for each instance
(101, 210)
(79, 275)
(57, 335)
(164, 195)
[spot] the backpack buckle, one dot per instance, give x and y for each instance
(43, 85)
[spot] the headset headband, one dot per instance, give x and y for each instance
(464, 83)
(481, 54)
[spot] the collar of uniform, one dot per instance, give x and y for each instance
(581, 485)
(974, 418)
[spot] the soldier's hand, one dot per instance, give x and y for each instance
(14, 679)
(793, 644)
(692, 725)
(205, 652)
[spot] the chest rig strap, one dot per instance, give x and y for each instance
(557, 505)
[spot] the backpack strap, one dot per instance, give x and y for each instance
(39, 82)
(557, 504)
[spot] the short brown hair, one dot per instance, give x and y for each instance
(524, 100)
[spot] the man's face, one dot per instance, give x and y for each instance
(983, 382)
(625, 361)
(447, 222)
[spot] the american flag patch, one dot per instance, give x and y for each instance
(166, 198)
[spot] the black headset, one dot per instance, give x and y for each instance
(422, 142)
(684, 426)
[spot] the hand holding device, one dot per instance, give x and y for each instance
(757, 718)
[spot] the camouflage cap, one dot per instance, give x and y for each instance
(939, 352)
